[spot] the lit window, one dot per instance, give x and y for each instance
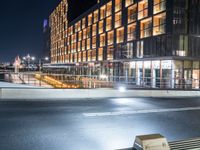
(146, 28)
(89, 20)
(132, 13)
(159, 24)
(131, 33)
(129, 2)
(80, 36)
(88, 44)
(102, 12)
(79, 57)
(109, 9)
(110, 51)
(88, 32)
(143, 9)
(94, 40)
(83, 23)
(102, 40)
(159, 5)
(110, 37)
(89, 55)
(84, 56)
(83, 45)
(108, 23)
(101, 27)
(118, 5)
(118, 19)
(120, 35)
(100, 54)
(94, 29)
(84, 33)
(96, 16)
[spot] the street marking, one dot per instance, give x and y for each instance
(103, 114)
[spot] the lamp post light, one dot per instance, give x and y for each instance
(42, 61)
(28, 59)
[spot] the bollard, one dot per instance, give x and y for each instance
(151, 142)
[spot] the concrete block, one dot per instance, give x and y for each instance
(151, 142)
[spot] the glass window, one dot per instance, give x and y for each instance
(118, 5)
(118, 19)
(120, 35)
(100, 54)
(108, 23)
(102, 40)
(159, 24)
(83, 23)
(94, 40)
(89, 19)
(96, 16)
(129, 2)
(132, 13)
(101, 27)
(143, 9)
(94, 29)
(110, 37)
(131, 32)
(89, 55)
(146, 28)
(110, 51)
(109, 9)
(140, 49)
(88, 44)
(93, 55)
(159, 5)
(102, 12)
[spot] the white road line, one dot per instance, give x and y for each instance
(102, 114)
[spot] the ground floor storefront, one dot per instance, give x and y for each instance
(167, 74)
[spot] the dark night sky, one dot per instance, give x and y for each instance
(21, 24)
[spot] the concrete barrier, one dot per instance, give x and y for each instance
(51, 94)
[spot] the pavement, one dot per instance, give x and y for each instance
(104, 124)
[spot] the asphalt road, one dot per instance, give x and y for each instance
(95, 124)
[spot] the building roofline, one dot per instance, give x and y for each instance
(87, 12)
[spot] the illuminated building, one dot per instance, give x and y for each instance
(152, 43)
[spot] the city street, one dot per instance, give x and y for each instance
(95, 124)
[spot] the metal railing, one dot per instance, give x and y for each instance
(94, 81)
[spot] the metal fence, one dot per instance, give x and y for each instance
(92, 81)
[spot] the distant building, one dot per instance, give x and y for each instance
(152, 43)
(47, 40)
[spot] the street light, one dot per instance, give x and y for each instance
(46, 58)
(28, 59)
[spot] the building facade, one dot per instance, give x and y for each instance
(153, 43)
